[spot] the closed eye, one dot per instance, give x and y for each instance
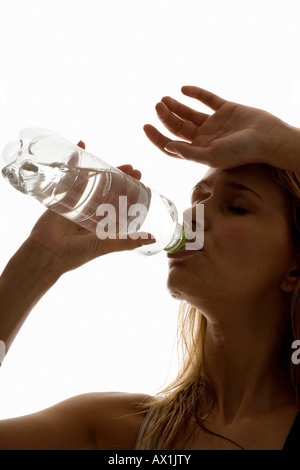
(237, 210)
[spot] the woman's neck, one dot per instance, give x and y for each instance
(245, 361)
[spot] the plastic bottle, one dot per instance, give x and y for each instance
(89, 191)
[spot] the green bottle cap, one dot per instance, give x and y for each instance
(181, 243)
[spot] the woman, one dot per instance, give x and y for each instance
(239, 314)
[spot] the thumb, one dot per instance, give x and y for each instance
(190, 152)
(132, 241)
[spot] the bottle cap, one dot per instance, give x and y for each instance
(180, 244)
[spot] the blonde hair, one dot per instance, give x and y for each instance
(191, 395)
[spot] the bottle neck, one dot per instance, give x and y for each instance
(177, 241)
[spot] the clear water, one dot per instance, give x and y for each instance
(77, 193)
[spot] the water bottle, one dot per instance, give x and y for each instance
(90, 192)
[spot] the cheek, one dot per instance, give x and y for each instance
(235, 240)
(246, 250)
(253, 248)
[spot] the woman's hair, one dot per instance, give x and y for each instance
(190, 397)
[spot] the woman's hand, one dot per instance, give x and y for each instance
(66, 245)
(234, 135)
(55, 245)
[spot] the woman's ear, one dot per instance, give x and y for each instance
(291, 279)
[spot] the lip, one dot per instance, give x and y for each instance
(182, 253)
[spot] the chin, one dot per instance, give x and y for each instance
(176, 294)
(178, 288)
(174, 284)
(182, 290)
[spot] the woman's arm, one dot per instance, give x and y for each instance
(94, 421)
(55, 246)
(29, 274)
(232, 136)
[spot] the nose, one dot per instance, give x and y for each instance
(194, 218)
(194, 224)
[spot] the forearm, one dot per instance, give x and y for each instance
(29, 274)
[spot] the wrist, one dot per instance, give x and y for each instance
(28, 275)
(31, 270)
(284, 147)
(40, 259)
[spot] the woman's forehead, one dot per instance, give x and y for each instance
(254, 170)
(256, 176)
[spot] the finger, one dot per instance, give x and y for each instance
(191, 152)
(183, 129)
(210, 99)
(184, 112)
(133, 241)
(129, 170)
(126, 168)
(158, 139)
(81, 144)
(136, 174)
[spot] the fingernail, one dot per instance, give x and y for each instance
(170, 148)
(81, 144)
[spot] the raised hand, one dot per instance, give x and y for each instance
(233, 135)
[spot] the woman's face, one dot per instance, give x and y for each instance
(248, 245)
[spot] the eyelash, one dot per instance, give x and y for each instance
(237, 210)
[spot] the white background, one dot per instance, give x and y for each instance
(94, 70)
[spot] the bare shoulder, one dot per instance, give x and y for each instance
(104, 421)
(115, 418)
